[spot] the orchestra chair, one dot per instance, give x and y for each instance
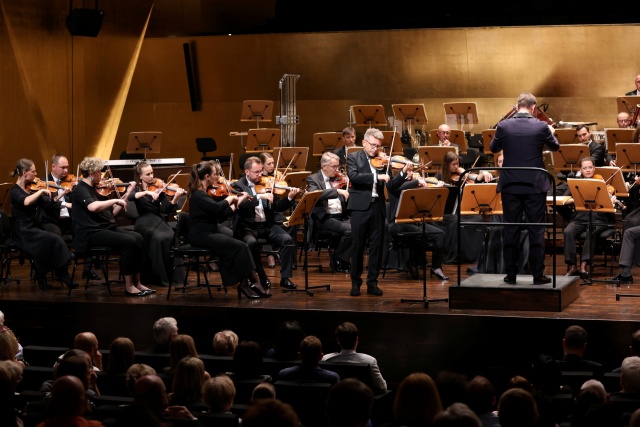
(608, 240)
(318, 240)
(196, 257)
(208, 145)
(98, 255)
(8, 250)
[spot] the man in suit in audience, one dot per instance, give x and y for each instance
(574, 345)
(348, 339)
(330, 211)
(309, 370)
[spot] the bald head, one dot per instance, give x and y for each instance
(150, 392)
(67, 396)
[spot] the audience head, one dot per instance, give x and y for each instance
(88, 342)
(121, 355)
(165, 329)
(595, 387)
(575, 340)
(68, 397)
(347, 335)
(482, 395)
(76, 363)
(135, 372)
(517, 408)
(457, 415)
(11, 371)
(310, 351)
(188, 378)
(10, 375)
(630, 377)
(518, 381)
(269, 413)
(264, 390)
(1, 318)
(225, 343)
(218, 393)
(546, 376)
(181, 345)
(247, 360)
(634, 420)
(8, 344)
(452, 387)
(591, 396)
(287, 343)
(349, 404)
(150, 393)
(417, 400)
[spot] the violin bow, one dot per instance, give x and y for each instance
(275, 171)
(230, 165)
(614, 174)
(113, 182)
(284, 174)
(46, 173)
(395, 130)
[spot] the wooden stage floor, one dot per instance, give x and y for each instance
(405, 337)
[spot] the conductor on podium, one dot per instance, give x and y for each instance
(522, 139)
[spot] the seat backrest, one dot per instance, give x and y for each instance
(205, 145)
(182, 228)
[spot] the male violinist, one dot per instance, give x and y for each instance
(330, 211)
(256, 220)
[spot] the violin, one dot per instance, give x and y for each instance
(222, 190)
(39, 184)
(69, 181)
(397, 162)
(611, 190)
(340, 180)
(107, 186)
(278, 188)
(161, 187)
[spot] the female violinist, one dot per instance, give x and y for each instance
(95, 225)
(153, 205)
(205, 215)
(451, 173)
(47, 250)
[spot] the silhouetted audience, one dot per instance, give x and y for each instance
(88, 342)
(225, 343)
(248, 363)
(135, 372)
(349, 404)
(68, 404)
(482, 400)
(19, 355)
(457, 415)
(287, 342)
(188, 378)
(121, 355)
(264, 390)
(452, 387)
(164, 330)
(270, 413)
(309, 370)
(416, 402)
(634, 348)
(517, 408)
(218, 393)
(181, 346)
(574, 345)
(10, 376)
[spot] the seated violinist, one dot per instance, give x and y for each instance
(153, 205)
(330, 211)
(269, 176)
(579, 222)
(94, 224)
(256, 220)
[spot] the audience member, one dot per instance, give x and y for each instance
(348, 338)
(218, 393)
(574, 345)
(181, 345)
(629, 378)
(549, 392)
(457, 415)
(88, 342)
(164, 330)
(634, 348)
(135, 372)
(9, 346)
(225, 343)
(634, 421)
(287, 342)
(349, 404)
(188, 378)
(248, 363)
(518, 381)
(592, 395)
(517, 408)
(68, 404)
(417, 401)
(264, 390)
(270, 413)
(19, 355)
(10, 376)
(309, 370)
(452, 387)
(482, 400)
(121, 355)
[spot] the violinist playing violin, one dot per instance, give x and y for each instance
(95, 225)
(153, 206)
(48, 250)
(256, 220)
(269, 176)
(330, 211)
(451, 174)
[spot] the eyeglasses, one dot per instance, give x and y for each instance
(373, 145)
(333, 166)
(446, 132)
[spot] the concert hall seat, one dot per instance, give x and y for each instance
(206, 145)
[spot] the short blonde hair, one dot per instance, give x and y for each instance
(218, 393)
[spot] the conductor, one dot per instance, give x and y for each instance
(522, 138)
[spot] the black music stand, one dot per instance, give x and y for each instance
(5, 199)
(422, 205)
(568, 156)
(294, 157)
(369, 115)
(256, 111)
(461, 113)
(591, 195)
(433, 155)
(299, 216)
(628, 154)
(265, 139)
(145, 142)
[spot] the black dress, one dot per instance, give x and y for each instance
(48, 250)
(158, 237)
(205, 215)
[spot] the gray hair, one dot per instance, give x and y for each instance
(90, 165)
(376, 133)
(327, 157)
(630, 379)
(163, 328)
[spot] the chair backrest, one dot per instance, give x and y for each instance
(205, 145)
(182, 228)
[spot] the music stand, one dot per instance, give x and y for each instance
(412, 115)
(591, 195)
(265, 139)
(628, 104)
(294, 157)
(297, 180)
(300, 215)
(386, 142)
(568, 156)
(422, 205)
(566, 136)
(433, 154)
(481, 199)
(368, 115)
(617, 181)
(628, 154)
(256, 111)
(146, 142)
(615, 136)
(461, 113)
(326, 141)
(487, 137)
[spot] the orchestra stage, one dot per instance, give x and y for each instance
(404, 336)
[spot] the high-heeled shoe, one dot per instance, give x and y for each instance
(242, 291)
(258, 291)
(438, 275)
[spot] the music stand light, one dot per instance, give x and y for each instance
(368, 115)
(256, 111)
(265, 139)
(145, 142)
(420, 205)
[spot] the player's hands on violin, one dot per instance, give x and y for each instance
(344, 193)
(384, 177)
(266, 196)
(484, 176)
(293, 192)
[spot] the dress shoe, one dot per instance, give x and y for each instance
(287, 283)
(256, 289)
(91, 275)
(438, 275)
(374, 290)
(511, 280)
(541, 280)
(149, 291)
(265, 282)
(134, 294)
(572, 270)
(355, 291)
(246, 292)
(624, 279)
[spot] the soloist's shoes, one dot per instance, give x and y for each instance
(243, 289)
(374, 290)
(355, 291)
(256, 289)
(438, 275)
(264, 280)
(134, 294)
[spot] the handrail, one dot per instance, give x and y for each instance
(545, 224)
